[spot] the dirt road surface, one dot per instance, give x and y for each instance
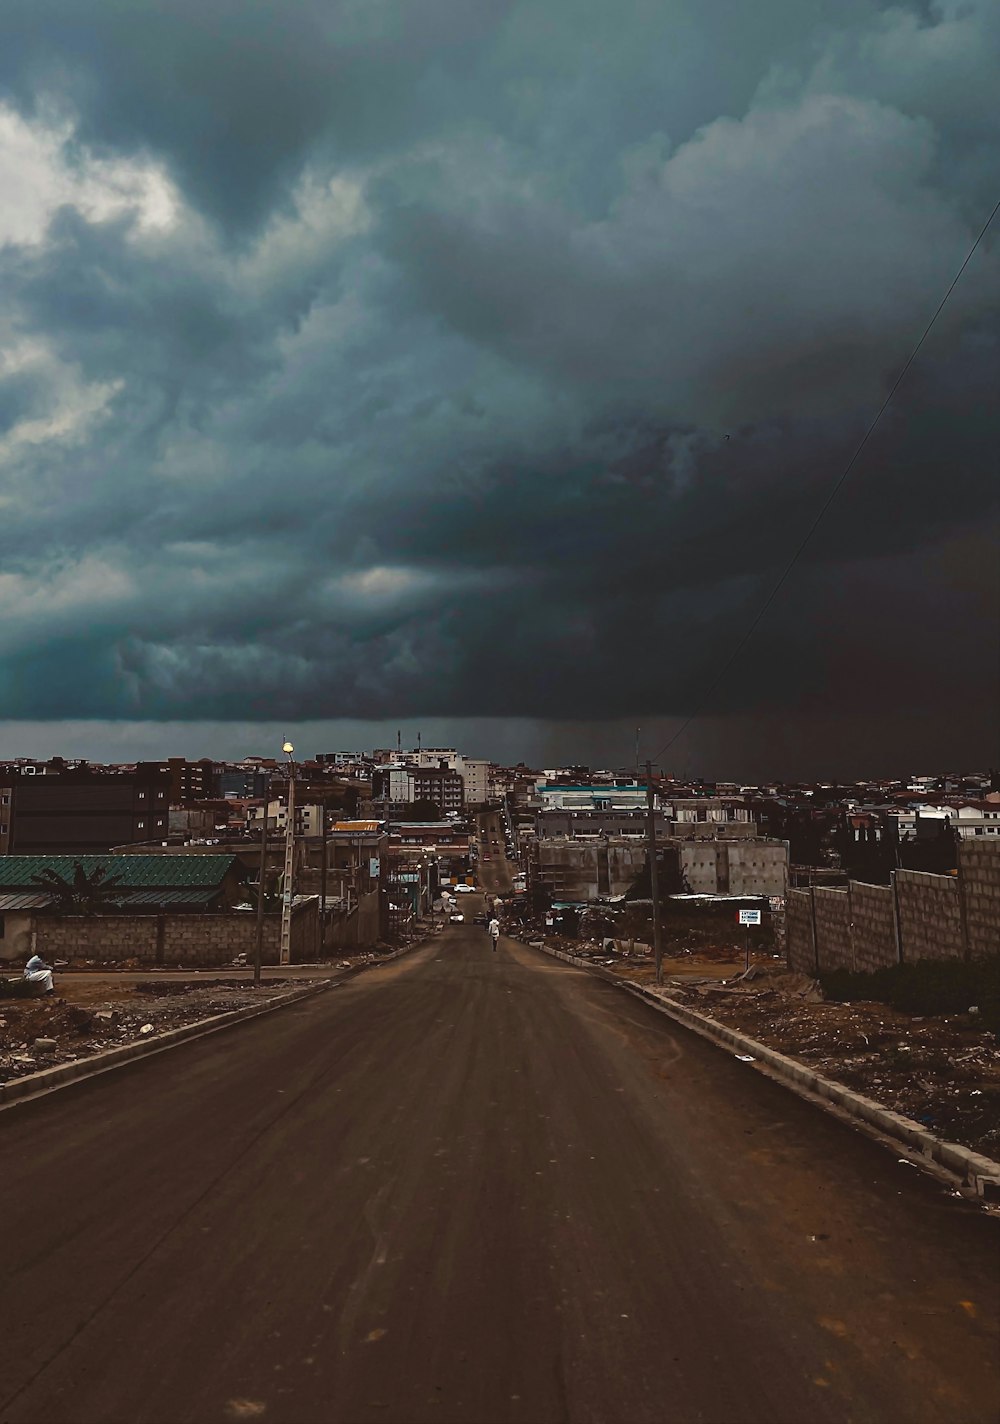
(473, 1187)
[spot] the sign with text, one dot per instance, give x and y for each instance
(749, 917)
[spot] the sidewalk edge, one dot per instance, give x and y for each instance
(975, 1170)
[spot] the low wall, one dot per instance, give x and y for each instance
(919, 916)
(873, 926)
(930, 916)
(800, 951)
(979, 882)
(195, 941)
(832, 914)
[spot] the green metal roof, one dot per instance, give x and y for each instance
(145, 872)
(166, 897)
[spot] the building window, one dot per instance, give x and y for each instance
(142, 825)
(142, 795)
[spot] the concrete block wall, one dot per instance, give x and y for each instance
(930, 916)
(979, 880)
(799, 950)
(196, 941)
(873, 926)
(832, 915)
(921, 916)
(100, 938)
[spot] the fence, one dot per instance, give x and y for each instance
(919, 916)
(193, 941)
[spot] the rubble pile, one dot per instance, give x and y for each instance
(941, 1070)
(84, 1019)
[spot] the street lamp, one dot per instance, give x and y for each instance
(258, 943)
(285, 952)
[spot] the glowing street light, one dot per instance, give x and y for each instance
(285, 952)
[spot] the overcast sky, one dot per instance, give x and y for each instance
(419, 361)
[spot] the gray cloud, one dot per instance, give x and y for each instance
(489, 360)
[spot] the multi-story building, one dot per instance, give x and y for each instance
(608, 796)
(189, 780)
(73, 811)
(397, 787)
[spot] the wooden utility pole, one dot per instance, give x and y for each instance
(654, 876)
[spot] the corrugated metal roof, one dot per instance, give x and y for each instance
(165, 897)
(140, 871)
(18, 901)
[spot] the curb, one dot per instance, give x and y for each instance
(34, 1084)
(980, 1173)
(62, 1074)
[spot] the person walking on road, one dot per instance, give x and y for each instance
(494, 928)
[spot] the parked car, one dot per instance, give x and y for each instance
(479, 919)
(465, 889)
(457, 918)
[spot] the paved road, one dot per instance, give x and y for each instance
(476, 1187)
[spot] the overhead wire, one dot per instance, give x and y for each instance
(827, 502)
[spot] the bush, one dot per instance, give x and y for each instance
(932, 986)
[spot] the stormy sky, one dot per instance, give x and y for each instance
(474, 364)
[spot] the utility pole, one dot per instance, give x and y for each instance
(285, 954)
(654, 877)
(322, 875)
(258, 943)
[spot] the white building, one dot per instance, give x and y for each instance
(308, 819)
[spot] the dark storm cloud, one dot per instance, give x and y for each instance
(491, 359)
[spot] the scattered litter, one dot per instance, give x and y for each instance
(146, 1028)
(746, 1058)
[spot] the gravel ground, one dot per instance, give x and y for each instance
(84, 1018)
(942, 1071)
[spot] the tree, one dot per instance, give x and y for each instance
(85, 894)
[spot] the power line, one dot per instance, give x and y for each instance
(828, 501)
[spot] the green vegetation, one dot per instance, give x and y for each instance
(85, 894)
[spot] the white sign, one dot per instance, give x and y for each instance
(749, 917)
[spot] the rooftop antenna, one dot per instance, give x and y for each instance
(399, 739)
(419, 742)
(637, 763)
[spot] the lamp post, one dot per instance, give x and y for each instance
(258, 943)
(285, 952)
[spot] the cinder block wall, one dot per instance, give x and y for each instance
(195, 941)
(799, 951)
(102, 937)
(832, 910)
(873, 926)
(979, 874)
(930, 916)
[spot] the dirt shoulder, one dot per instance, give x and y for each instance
(941, 1070)
(84, 1017)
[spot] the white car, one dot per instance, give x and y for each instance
(465, 889)
(457, 918)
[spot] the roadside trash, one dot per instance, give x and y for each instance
(45, 1045)
(146, 1028)
(974, 1009)
(746, 1058)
